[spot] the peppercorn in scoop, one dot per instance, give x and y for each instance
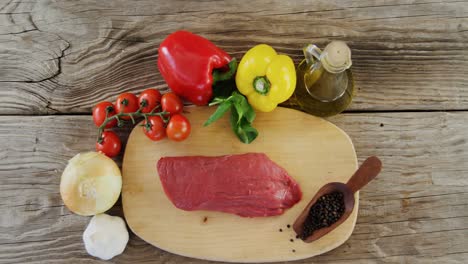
(326, 211)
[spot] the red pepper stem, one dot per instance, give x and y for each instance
(219, 75)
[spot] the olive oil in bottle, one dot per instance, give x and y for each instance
(325, 85)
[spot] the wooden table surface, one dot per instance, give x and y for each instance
(410, 60)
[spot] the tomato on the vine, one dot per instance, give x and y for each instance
(154, 129)
(149, 99)
(178, 128)
(109, 144)
(171, 103)
(100, 111)
(126, 103)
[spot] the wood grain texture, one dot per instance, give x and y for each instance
(65, 56)
(413, 212)
(227, 237)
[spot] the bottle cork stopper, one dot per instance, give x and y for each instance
(337, 56)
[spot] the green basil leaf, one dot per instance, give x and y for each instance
(243, 108)
(242, 115)
(235, 125)
(250, 132)
(249, 112)
(220, 111)
(246, 133)
(234, 119)
(240, 111)
(243, 129)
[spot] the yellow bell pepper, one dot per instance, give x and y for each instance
(265, 77)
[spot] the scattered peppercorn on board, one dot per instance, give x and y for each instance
(312, 150)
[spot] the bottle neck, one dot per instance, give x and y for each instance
(335, 69)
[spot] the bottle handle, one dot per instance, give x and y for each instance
(311, 53)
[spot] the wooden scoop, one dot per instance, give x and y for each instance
(366, 173)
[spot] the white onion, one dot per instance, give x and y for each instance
(90, 184)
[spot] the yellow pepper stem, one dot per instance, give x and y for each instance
(261, 85)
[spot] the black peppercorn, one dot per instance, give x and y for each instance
(326, 211)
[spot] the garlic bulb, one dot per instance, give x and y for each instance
(105, 236)
(90, 184)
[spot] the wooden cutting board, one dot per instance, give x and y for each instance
(312, 150)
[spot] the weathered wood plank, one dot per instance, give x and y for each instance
(64, 56)
(414, 212)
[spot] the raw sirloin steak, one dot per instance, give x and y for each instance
(248, 185)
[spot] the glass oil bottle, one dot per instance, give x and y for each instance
(325, 85)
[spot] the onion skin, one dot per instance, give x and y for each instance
(90, 184)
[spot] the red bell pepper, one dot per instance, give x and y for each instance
(191, 65)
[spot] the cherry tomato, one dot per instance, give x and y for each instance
(110, 144)
(178, 128)
(156, 131)
(99, 114)
(150, 98)
(126, 103)
(171, 103)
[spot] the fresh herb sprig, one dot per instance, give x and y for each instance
(242, 115)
